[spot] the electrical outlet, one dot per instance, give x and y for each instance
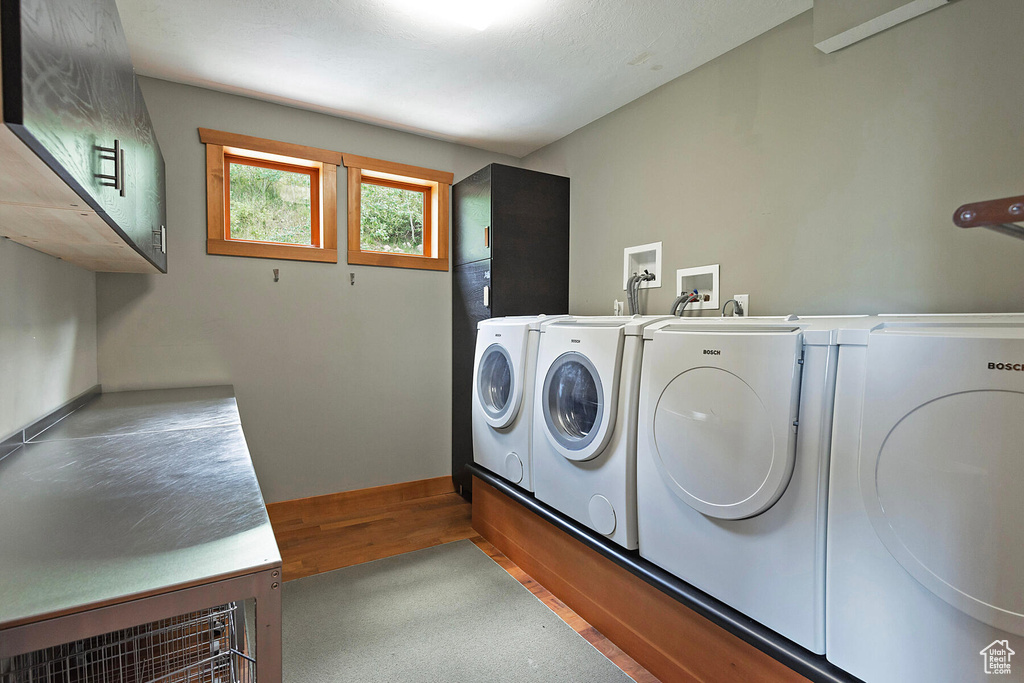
(744, 301)
(618, 307)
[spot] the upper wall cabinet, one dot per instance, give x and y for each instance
(82, 175)
(472, 219)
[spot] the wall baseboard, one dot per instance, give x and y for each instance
(671, 641)
(334, 504)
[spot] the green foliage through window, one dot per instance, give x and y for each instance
(391, 219)
(270, 205)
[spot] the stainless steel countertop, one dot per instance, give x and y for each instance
(135, 494)
(135, 412)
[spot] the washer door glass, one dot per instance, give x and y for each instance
(573, 401)
(495, 382)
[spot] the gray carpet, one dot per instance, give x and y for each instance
(447, 613)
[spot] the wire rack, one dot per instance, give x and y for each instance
(199, 647)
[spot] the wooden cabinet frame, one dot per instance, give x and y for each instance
(437, 188)
(316, 225)
(222, 147)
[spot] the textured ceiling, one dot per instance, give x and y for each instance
(536, 74)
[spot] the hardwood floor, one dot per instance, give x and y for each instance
(338, 530)
(330, 532)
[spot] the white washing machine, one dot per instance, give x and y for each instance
(503, 377)
(732, 462)
(584, 424)
(926, 502)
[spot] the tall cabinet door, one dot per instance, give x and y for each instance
(148, 185)
(530, 211)
(471, 219)
(468, 309)
(78, 92)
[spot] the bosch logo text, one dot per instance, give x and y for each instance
(1019, 367)
(712, 352)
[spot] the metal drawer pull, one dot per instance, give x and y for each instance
(121, 167)
(115, 154)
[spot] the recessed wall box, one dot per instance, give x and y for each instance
(705, 280)
(640, 258)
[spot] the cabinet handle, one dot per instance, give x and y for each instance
(160, 239)
(115, 154)
(487, 296)
(487, 237)
(120, 167)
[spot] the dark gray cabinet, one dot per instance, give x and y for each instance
(147, 173)
(472, 218)
(70, 93)
(510, 235)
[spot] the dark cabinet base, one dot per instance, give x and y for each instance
(510, 236)
(468, 310)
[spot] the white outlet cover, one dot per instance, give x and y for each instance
(637, 259)
(713, 271)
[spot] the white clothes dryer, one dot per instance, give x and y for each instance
(584, 424)
(925, 578)
(503, 377)
(732, 462)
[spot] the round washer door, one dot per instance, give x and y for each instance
(496, 386)
(715, 446)
(944, 496)
(573, 405)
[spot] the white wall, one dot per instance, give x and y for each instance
(47, 334)
(821, 183)
(340, 387)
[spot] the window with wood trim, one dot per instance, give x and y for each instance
(270, 199)
(397, 214)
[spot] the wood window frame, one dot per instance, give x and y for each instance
(316, 226)
(428, 203)
(437, 185)
(223, 147)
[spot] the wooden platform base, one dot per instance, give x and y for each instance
(668, 639)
